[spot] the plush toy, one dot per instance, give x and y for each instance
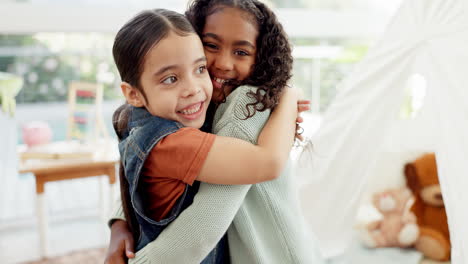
(397, 228)
(422, 179)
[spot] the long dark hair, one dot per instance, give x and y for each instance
(273, 63)
(133, 41)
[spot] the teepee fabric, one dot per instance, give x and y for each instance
(427, 37)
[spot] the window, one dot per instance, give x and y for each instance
(321, 65)
(49, 61)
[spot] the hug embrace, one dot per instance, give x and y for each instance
(204, 139)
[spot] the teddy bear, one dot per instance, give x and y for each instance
(428, 207)
(397, 227)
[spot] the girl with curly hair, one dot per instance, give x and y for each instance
(249, 61)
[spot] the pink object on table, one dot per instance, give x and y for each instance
(36, 133)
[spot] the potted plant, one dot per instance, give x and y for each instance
(10, 85)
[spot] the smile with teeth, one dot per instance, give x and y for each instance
(218, 80)
(193, 109)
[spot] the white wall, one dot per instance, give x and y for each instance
(58, 17)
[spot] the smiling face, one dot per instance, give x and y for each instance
(175, 81)
(229, 39)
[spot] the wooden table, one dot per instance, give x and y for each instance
(50, 170)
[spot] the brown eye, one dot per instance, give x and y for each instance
(210, 45)
(170, 80)
(241, 53)
(201, 69)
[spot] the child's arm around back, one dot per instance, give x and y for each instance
(234, 161)
(199, 228)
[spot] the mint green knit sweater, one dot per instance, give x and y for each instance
(263, 221)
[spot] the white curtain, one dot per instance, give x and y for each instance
(428, 37)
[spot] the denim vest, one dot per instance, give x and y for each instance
(143, 132)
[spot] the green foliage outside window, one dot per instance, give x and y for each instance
(47, 73)
(332, 70)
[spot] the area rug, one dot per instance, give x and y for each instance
(88, 256)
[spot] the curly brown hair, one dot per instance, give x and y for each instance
(273, 63)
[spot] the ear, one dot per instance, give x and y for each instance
(132, 94)
(412, 178)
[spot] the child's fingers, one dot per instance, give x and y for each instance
(130, 254)
(129, 248)
(303, 102)
(302, 108)
(303, 105)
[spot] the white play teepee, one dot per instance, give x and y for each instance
(427, 37)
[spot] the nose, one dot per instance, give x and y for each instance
(192, 87)
(191, 90)
(223, 61)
